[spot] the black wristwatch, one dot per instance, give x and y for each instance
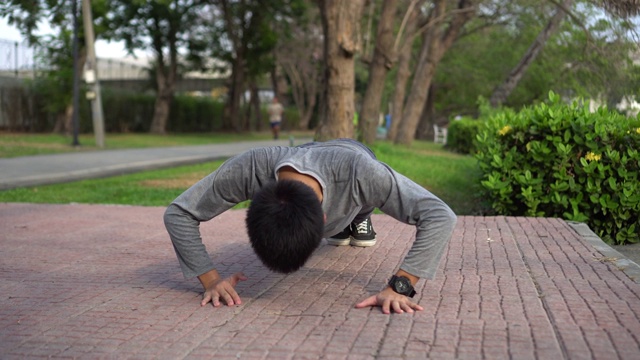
(402, 285)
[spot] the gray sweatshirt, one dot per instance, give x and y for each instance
(353, 184)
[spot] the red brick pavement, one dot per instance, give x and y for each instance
(102, 282)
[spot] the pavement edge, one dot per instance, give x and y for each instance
(630, 268)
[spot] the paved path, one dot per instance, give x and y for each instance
(94, 281)
(50, 169)
(102, 281)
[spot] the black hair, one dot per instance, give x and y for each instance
(285, 223)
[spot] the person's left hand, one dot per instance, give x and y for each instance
(390, 300)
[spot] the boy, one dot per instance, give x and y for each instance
(300, 195)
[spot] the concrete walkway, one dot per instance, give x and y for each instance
(95, 281)
(56, 168)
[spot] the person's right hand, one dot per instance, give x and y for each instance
(223, 289)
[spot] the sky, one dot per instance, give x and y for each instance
(8, 32)
(104, 50)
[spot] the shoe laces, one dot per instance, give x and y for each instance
(363, 227)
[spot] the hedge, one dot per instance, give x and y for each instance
(559, 160)
(461, 135)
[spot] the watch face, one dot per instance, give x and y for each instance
(401, 286)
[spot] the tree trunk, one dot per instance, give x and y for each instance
(419, 90)
(279, 83)
(304, 95)
(300, 58)
(623, 8)
(305, 117)
(434, 46)
(427, 118)
(236, 88)
(505, 89)
(161, 112)
(255, 104)
(64, 120)
(340, 23)
(231, 118)
(383, 58)
(165, 80)
(303, 90)
(402, 77)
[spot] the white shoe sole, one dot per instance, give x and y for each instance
(351, 241)
(362, 243)
(339, 242)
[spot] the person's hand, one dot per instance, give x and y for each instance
(390, 300)
(223, 289)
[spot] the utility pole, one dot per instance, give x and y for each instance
(76, 78)
(17, 61)
(91, 75)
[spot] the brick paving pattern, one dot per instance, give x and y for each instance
(86, 281)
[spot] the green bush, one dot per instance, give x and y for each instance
(37, 110)
(194, 114)
(559, 160)
(123, 111)
(461, 135)
(127, 111)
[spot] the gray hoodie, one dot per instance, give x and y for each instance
(353, 184)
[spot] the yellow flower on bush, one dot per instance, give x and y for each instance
(592, 156)
(505, 130)
(638, 130)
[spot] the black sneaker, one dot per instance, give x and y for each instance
(341, 238)
(362, 234)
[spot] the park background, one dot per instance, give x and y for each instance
(540, 94)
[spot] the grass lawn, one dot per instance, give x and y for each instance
(450, 176)
(148, 188)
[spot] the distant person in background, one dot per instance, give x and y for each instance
(275, 111)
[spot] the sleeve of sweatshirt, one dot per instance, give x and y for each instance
(408, 202)
(231, 183)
